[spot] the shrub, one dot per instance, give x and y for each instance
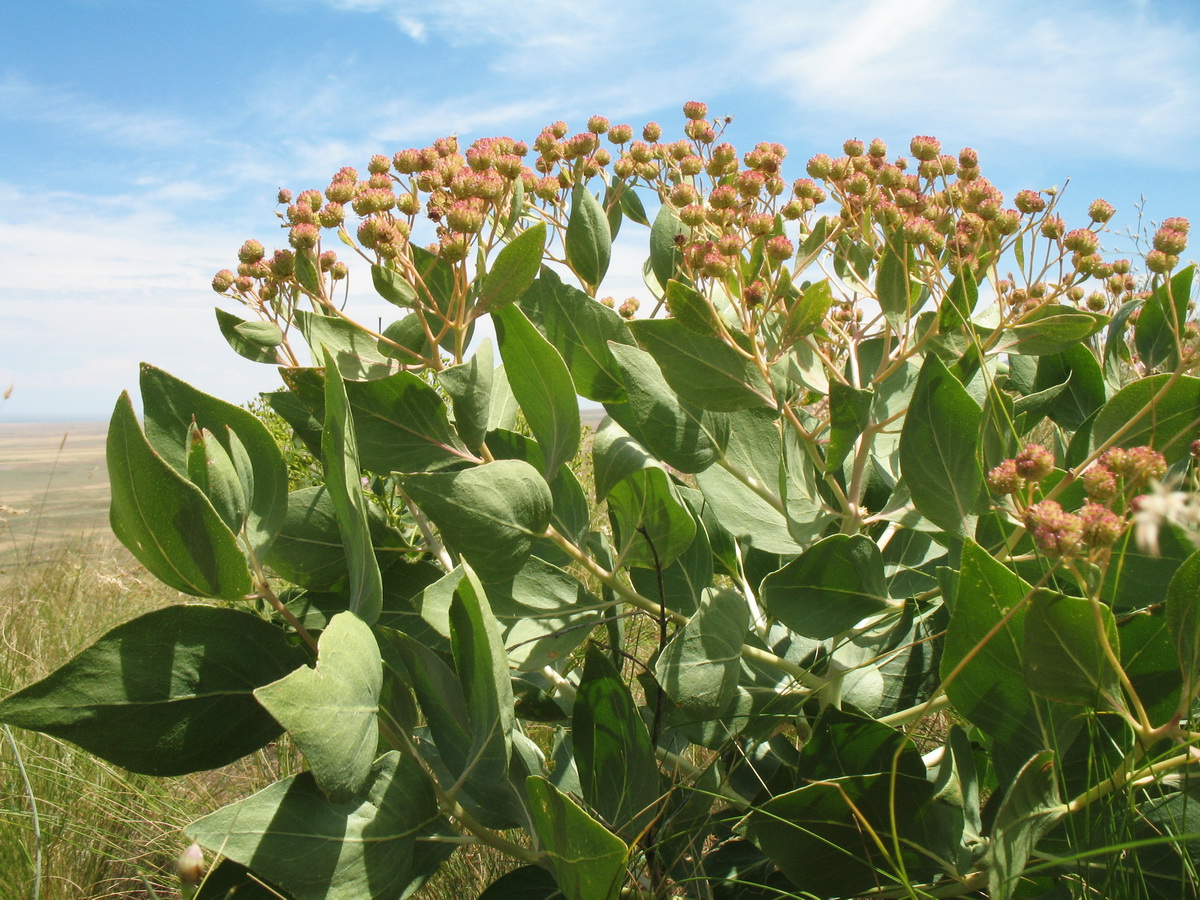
(851, 481)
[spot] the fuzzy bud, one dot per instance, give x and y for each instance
(1081, 240)
(1053, 227)
(924, 147)
(620, 134)
(223, 281)
(629, 308)
(1056, 533)
(1170, 241)
(283, 264)
(1159, 262)
(694, 110)
(820, 166)
(284, 196)
(1034, 462)
(251, 252)
(1101, 211)
(453, 246)
(597, 125)
(877, 149)
(1029, 201)
(651, 131)
(1003, 479)
(780, 248)
(1101, 526)
(1100, 483)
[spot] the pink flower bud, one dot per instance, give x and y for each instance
(223, 281)
(853, 148)
(651, 131)
(1101, 526)
(284, 196)
(251, 251)
(620, 134)
(925, 147)
(1029, 201)
(1160, 263)
(1100, 483)
(820, 166)
(1101, 211)
(1081, 240)
(1053, 227)
(694, 110)
(779, 248)
(877, 149)
(1003, 479)
(1170, 241)
(1034, 462)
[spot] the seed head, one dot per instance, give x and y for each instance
(694, 110)
(1170, 241)
(651, 131)
(691, 165)
(620, 134)
(1081, 240)
(854, 148)
(1101, 211)
(877, 149)
(1029, 201)
(925, 147)
(1160, 263)
(1053, 227)
(332, 215)
(760, 224)
(692, 215)
(1100, 483)
(1056, 533)
(820, 166)
(251, 252)
(453, 246)
(223, 281)
(1003, 479)
(1101, 526)
(780, 248)
(1034, 462)
(630, 307)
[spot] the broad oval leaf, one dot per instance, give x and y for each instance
(617, 768)
(1064, 655)
(1183, 616)
(332, 711)
(588, 240)
(165, 520)
(651, 526)
(1052, 328)
(1163, 317)
(491, 514)
(469, 385)
(665, 243)
(1162, 411)
(702, 369)
(339, 454)
(167, 693)
(938, 449)
(375, 845)
(542, 385)
(588, 860)
(700, 665)
(829, 588)
(357, 353)
(514, 269)
(392, 286)
(172, 405)
(256, 341)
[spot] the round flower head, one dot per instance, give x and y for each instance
(924, 147)
(1034, 462)
(1003, 479)
(694, 110)
(223, 281)
(251, 252)
(1055, 532)
(1101, 211)
(652, 131)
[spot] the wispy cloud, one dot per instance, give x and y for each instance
(25, 102)
(1049, 74)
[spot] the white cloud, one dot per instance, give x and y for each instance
(1050, 74)
(24, 101)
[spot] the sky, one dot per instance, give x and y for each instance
(142, 141)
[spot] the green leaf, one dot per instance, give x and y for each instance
(699, 667)
(615, 455)
(745, 514)
(938, 446)
(1162, 318)
(491, 514)
(172, 405)
(665, 244)
(580, 329)
(542, 384)
(525, 883)
(588, 242)
(617, 768)
(1052, 328)
(849, 415)
(588, 861)
(989, 687)
(543, 615)
(959, 302)
(848, 743)
(482, 666)
(1183, 617)
(1031, 807)
(256, 341)
(674, 430)
(1162, 411)
(818, 837)
(808, 311)
(165, 520)
(469, 385)
(632, 206)
(1085, 393)
(702, 370)
(893, 285)
(690, 309)
(339, 453)
(211, 470)
(513, 271)
(167, 693)
(332, 711)
(651, 526)
(1064, 656)
(306, 271)
(829, 588)
(1151, 656)
(357, 353)
(401, 425)
(370, 846)
(309, 550)
(393, 287)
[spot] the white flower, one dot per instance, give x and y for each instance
(1164, 505)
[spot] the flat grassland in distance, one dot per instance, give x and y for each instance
(55, 474)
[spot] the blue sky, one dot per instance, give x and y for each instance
(141, 141)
